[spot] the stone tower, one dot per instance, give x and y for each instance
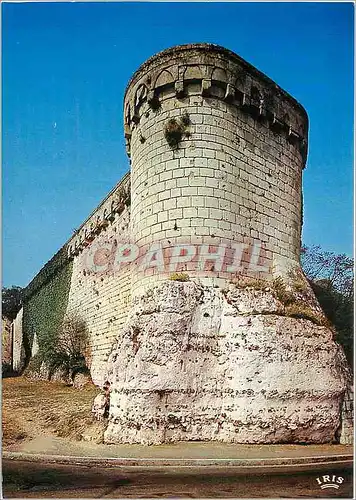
(217, 152)
(235, 354)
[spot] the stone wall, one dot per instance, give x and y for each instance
(100, 289)
(6, 346)
(18, 348)
(45, 303)
(101, 297)
(84, 281)
(347, 417)
(217, 151)
(235, 176)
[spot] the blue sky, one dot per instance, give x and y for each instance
(65, 68)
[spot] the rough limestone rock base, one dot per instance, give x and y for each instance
(197, 363)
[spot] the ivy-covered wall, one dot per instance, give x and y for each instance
(45, 303)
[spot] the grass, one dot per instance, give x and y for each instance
(303, 311)
(31, 408)
(179, 277)
(292, 305)
(174, 130)
(12, 431)
(281, 292)
(18, 480)
(254, 283)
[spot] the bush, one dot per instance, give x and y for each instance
(34, 366)
(282, 293)
(7, 370)
(179, 277)
(70, 352)
(175, 130)
(303, 311)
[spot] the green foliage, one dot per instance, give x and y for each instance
(11, 301)
(247, 282)
(339, 309)
(33, 366)
(71, 348)
(185, 119)
(175, 129)
(278, 287)
(7, 370)
(53, 266)
(179, 277)
(45, 303)
(303, 311)
(336, 269)
(66, 353)
(331, 278)
(283, 295)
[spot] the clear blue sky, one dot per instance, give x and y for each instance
(65, 68)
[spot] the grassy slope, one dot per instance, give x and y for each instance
(34, 408)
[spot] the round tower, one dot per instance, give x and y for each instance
(217, 151)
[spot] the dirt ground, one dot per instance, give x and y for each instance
(39, 480)
(53, 419)
(36, 408)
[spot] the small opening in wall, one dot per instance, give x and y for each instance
(154, 103)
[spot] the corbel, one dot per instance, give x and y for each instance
(179, 88)
(276, 122)
(206, 86)
(230, 93)
(127, 131)
(245, 100)
(293, 136)
(152, 99)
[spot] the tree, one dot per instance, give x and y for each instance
(11, 301)
(332, 280)
(336, 271)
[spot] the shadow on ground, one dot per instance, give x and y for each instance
(38, 480)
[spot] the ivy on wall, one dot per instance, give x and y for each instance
(45, 304)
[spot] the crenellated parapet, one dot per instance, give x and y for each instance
(102, 217)
(213, 72)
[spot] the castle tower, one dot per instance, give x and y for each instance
(217, 151)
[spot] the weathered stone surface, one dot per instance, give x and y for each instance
(94, 433)
(80, 380)
(7, 341)
(251, 301)
(347, 416)
(191, 366)
(18, 350)
(99, 406)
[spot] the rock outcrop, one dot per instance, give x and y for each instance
(198, 363)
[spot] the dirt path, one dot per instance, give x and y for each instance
(33, 409)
